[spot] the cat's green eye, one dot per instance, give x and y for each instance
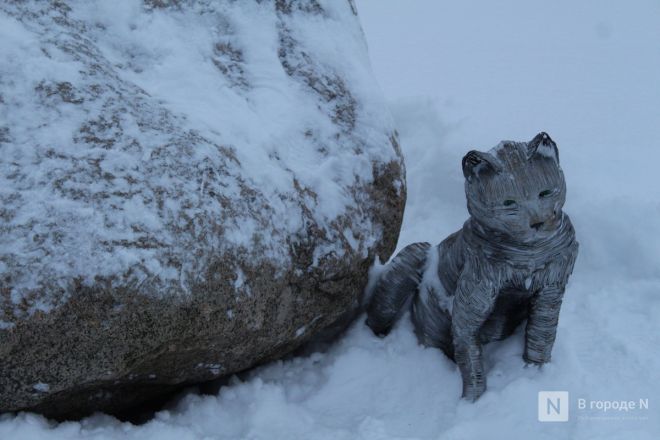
(509, 202)
(545, 193)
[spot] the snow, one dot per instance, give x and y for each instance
(41, 387)
(431, 284)
(464, 75)
(131, 102)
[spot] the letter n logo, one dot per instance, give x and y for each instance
(553, 406)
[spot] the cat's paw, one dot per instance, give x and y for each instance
(533, 365)
(472, 391)
(535, 359)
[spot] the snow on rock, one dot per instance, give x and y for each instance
(181, 182)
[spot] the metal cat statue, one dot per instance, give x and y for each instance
(509, 262)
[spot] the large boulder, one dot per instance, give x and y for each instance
(187, 189)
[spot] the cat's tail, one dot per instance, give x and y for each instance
(397, 283)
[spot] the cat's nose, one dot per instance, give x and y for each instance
(537, 225)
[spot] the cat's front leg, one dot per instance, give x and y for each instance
(544, 308)
(473, 303)
(542, 323)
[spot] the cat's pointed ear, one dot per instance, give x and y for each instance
(544, 146)
(476, 163)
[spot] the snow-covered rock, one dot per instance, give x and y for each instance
(187, 189)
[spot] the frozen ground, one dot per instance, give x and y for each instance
(465, 75)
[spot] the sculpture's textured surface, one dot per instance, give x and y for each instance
(187, 189)
(510, 261)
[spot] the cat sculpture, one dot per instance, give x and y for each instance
(509, 263)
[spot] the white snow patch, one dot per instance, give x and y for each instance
(431, 284)
(41, 387)
(240, 279)
(376, 271)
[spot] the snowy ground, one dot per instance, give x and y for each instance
(465, 75)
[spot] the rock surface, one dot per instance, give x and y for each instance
(187, 189)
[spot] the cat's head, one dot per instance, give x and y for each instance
(516, 188)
